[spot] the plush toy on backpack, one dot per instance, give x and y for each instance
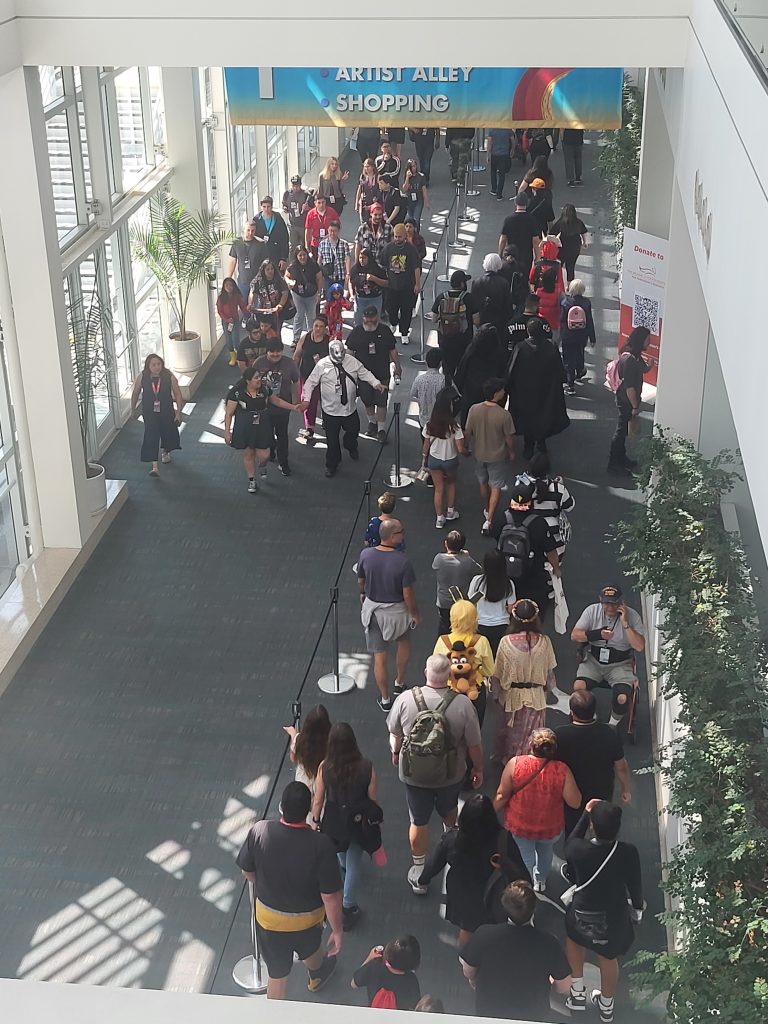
(388, 973)
(464, 668)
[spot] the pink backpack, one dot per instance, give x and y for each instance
(577, 318)
(612, 374)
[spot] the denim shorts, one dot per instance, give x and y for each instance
(447, 466)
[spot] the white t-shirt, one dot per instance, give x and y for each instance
(490, 613)
(444, 448)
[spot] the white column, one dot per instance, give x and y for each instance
(292, 139)
(262, 166)
(657, 165)
(183, 120)
(331, 142)
(39, 312)
(221, 152)
(683, 355)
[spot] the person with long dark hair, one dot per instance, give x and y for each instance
(572, 232)
(473, 850)
(159, 390)
(631, 367)
(231, 307)
(310, 350)
(539, 169)
(494, 593)
(524, 671)
(269, 292)
(345, 780)
(309, 745)
(305, 280)
(443, 443)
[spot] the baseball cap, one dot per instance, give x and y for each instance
(538, 183)
(522, 490)
(459, 278)
(370, 312)
(610, 594)
(296, 179)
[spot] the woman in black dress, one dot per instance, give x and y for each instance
(159, 390)
(248, 402)
(473, 851)
(599, 918)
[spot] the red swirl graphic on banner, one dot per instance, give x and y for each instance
(532, 100)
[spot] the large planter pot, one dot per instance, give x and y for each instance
(185, 354)
(96, 488)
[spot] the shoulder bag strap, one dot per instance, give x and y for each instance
(529, 780)
(421, 704)
(445, 703)
(446, 640)
(591, 880)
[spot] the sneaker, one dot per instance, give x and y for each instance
(372, 430)
(406, 339)
(499, 199)
(430, 482)
(306, 433)
(385, 705)
(486, 529)
(285, 470)
(571, 184)
(252, 487)
(576, 1000)
(569, 389)
(349, 916)
(606, 1012)
(382, 437)
(397, 689)
(165, 457)
(330, 472)
(263, 472)
(440, 522)
(581, 374)
(153, 472)
(354, 455)
(322, 974)
(452, 514)
(617, 470)
(414, 874)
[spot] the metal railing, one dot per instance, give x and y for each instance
(442, 243)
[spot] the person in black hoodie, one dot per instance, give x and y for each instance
(491, 295)
(483, 359)
(518, 282)
(535, 384)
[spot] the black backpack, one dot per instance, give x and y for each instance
(546, 275)
(515, 544)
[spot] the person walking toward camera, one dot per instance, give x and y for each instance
(160, 391)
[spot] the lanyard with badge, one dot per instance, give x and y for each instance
(604, 654)
(156, 393)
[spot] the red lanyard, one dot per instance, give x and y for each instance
(156, 387)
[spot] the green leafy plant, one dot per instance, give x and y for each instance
(88, 319)
(178, 247)
(713, 659)
(619, 161)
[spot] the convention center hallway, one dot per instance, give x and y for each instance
(142, 735)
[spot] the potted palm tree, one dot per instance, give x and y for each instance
(178, 247)
(88, 319)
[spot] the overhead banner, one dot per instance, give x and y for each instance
(427, 97)
(645, 259)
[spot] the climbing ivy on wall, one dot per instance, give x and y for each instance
(619, 161)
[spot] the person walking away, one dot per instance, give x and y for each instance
(484, 359)
(305, 281)
(458, 142)
(426, 141)
(465, 646)
(373, 343)
(607, 902)
(577, 327)
(573, 146)
(432, 730)
(273, 232)
(346, 782)
(245, 258)
(513, 964)
(455, 315)
(159, 390)
(519, 289)
(454, 570)
(523, 672)
(338, 376)
(547, 282)
(367, 282)
(308, 745)
(374, 234)
(539, 169)
(368, 142)
(473, 851)
(631, 368)
(389, 609)
(490, 434)
(297, 885)
(551, 500)
(539, 144)
(531, 794)
(367, 190)
(427, 386)
(517, 328)
(500, 144)
(572, 232)
(249, 402)
(491, 295)
(401, 262)
(295, 206)
(610, 635)
(319, 218)
(535, 381)
(329, 185)
(280, 376)
(540, 205)
(310, 350)
(386, 503)
(493, 593)
(594, 753)
(521, 230)
(389, 975)
(231, 307)
(443, 443)
(415, 192)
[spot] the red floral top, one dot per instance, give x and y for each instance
(536, 811)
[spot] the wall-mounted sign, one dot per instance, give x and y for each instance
(643, 284)
(703, 214)
(426, 96)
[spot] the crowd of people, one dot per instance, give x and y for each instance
(510, 350)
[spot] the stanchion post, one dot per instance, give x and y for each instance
(398, 478)
(446, 277)
(335, 682)
(368, 498)
(420, 357)
(248, 972)
(455, 242)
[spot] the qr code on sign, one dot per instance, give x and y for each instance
(645, 313)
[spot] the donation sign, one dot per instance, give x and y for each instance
(426, 97)
(643, 283)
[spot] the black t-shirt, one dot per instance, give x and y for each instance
(294, 203)
(514, 965)
(519, 230)
(247, 405)
(389, 169)
(249, 256)
(390, 200)
(373, 349)
(631, 370)
(573, 137)
(374, 976)
(517, 328)
(248, 351)
(590, 751)
(305, 276)
(363, 288)
(311, 352)
(400, 263)
(415, 188)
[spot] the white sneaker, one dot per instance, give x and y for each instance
(252, 487)
(486, 530)
(452, 514)
(406, 339)
(440, 522)
(414, 874)
(165, 457)
(539, 885)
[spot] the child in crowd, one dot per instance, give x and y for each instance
(388, 973)
(333, 310)
(386, 503)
